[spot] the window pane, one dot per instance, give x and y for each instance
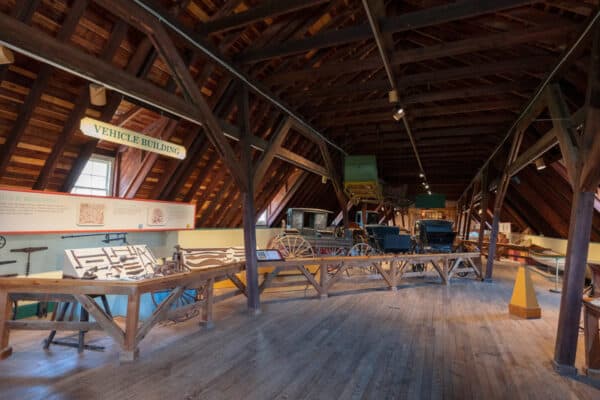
(100, 168)
(79, 190)
(88, 168)
(98, 182)
(95, 177)
(84, 180)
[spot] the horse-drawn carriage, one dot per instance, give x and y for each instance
(307, 234)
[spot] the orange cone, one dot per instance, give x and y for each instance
(524, 303)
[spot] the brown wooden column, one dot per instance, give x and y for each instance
(502, 188)
(248, 210)
(567, 333)
(470, 214)
(485, 195)
(582, 157)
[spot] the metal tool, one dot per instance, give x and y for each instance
(28, 250)
(108, 237)
(8, 262)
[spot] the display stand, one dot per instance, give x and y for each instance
(59, 315)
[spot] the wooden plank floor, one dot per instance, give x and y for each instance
(425, 341)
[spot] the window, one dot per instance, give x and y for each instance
(262, 220)
(95, 179)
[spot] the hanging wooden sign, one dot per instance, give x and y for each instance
(116, 134)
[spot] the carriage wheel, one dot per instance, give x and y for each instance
(189, 296)
(362, 249)
(462, 274)
(293, 246)
(335, 252)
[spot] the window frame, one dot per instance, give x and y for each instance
(109, 184)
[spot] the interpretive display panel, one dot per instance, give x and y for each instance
(43, 212)
(116, 262)
(209, 258)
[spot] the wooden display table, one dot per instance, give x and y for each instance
(391, 267)
(82, 290)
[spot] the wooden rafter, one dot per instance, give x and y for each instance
(400, 23)
(36, 91)
(81, 104)
(267, 9)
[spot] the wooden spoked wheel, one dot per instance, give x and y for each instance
(335, 252)
(181, 309)
(293, 246)
(361, 249)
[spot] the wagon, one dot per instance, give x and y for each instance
(307, 235)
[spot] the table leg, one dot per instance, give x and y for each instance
(5, 316)
(207, 310)
(324, 278)
(592, 342)
(130, 350)
(393, 275)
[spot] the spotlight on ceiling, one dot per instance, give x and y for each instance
(6, 56)
(424, 183)
(97, 95)
(429, 192)
(540, 164)
(399, 114)
(421, 175)
(426, 186)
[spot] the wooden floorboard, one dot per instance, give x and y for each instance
(424, 341)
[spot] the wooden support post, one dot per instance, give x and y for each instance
(249, 218)
(324, 280)
(485, 196)
(459, 218)
(583, 158)
(469, 215)
(5, 317)
(207, 310)
(501, 193)
(582, 211)
(130, 350)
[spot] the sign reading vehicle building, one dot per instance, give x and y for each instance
(111, 133)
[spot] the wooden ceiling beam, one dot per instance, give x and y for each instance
(520, 65)
(180, 71)
(40, 45)
(401, 23)
(419, 123)
(264, 10)
(35, 93)
(202, 174)
(392, 129)
(71, 126)
(402, 57)
(23, 11)
(147, 163)
(275, 145)
(136, 63)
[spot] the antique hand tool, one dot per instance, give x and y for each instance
(7, 275)
(28, 250)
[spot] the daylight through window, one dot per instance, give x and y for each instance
(95, 179)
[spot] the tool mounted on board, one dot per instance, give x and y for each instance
(28, 250)
(108, 237)
(7, 275)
